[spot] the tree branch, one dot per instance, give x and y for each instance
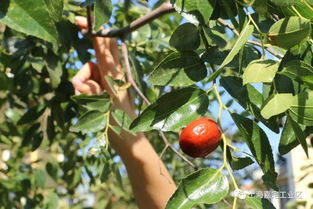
(167, 144)
(131, 80)
(163, 9)
(129, 76)
(231, 27)
(89, 20)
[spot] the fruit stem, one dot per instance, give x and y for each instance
(106, 130)
(225, 143)
(259, 31)
(296, 11)
(217, 94)
(225, 164)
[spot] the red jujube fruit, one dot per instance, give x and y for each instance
(200, 137)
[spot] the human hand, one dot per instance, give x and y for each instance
(90, 79)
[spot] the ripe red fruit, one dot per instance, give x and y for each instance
(200, 137)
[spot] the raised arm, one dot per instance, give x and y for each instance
(151, 182)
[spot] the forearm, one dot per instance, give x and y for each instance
(147, 173)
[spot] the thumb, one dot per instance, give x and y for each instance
(81, 22)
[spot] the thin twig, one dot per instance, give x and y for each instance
(131, 80)
(227, 203)
(259, 31)
(163, 150)
(163, 9)
(129, 76)
(89, 20)
(231, 27)
(270, 50)
(175, 151)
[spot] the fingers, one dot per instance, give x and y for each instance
(81, 22)
(88, 80)
(90, 87)
(84, 73)
(106, 52)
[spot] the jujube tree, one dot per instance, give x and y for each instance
(179, 58)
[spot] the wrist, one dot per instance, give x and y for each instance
(128, 146)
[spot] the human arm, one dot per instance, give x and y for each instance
(151, 182)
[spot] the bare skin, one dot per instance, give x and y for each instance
(151, 182)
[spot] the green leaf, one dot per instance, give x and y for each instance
(173, 110)
(50, 130)
(302, 110)
(179, 69)
(186, 37)
(55, 8)
(106, 171)
(29, 17)
(37, 63)
(305, 9)
(8, 184)
(259, 146)
(258, 203)
(299, 135)
(238, 163)
(288, 139)
(260, 71)
(242, 39)
(214, 36)
(29, 134)
(53, 200)
(52, 170)
(91, 121)
(5, 82)
(195, 11)
(300, 71)
(276, 104)
(76, 177)
(117, 129)
(260, 6)
(214, 55)
(283, 3)
(32, 114)
(54, 67)
(122, 119)
(249, 98)
(302, 7)
(206, 186)
(118, 176)
(289, 31)
(103, 11)
(40, 178)
(93, 102)
(111, 83)
(36, 141)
